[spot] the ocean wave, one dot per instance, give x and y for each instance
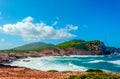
(77, 67)
(86, 56)
(95, 61)
(117, 62)
(62, 63)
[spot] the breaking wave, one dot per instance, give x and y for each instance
(72, 63)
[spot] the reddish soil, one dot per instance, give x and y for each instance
(14, 72)
(9, 72)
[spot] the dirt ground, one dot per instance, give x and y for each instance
(14, 72)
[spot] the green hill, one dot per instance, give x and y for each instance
(78, 43)
(33, 46)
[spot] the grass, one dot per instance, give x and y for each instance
(72, 43)
(66, 71)
(92, 75)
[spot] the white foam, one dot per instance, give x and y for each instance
(86, 56)
(117, 62)
(77, 67)
(45, 63)
(96, 61)
(57, 63)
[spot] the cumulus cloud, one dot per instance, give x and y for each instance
(71, 27)
(0, 29)
(29, 30)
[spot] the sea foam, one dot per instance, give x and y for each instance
(71, 63)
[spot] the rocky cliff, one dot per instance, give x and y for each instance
(80, 47)
(76, 47)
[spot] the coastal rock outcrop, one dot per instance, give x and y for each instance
(80, 48)
(9, 57)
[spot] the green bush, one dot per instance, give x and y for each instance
(94, 70)
(52, 71)
(95, 76)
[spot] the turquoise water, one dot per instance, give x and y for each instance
(73, 63)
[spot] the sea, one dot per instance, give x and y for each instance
(71, 63)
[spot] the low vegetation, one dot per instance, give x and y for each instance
(94, 76)
(73, 43)
(66, 71)
(94, 70)
(33, 46)
(52, 71)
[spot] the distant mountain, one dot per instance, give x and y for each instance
(33, 46)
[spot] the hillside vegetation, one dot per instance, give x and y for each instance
(33, 46)
(94, 76)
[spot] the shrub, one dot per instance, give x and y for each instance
(52, 71)
(95, 76)
(94, 70)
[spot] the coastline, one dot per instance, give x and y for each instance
(15, 72)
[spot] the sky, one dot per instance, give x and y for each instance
(56, 21)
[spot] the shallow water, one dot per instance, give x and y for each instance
(72, 63)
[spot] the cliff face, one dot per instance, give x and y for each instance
(96, 47)
(81, 48)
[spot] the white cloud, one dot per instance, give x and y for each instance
(29, 30)
(28, 19)
(55, 23)
(0, 29)
(71, 27)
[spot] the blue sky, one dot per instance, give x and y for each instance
(55, 21)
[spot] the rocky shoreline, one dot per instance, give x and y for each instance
(15, 72)
(9, 57)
